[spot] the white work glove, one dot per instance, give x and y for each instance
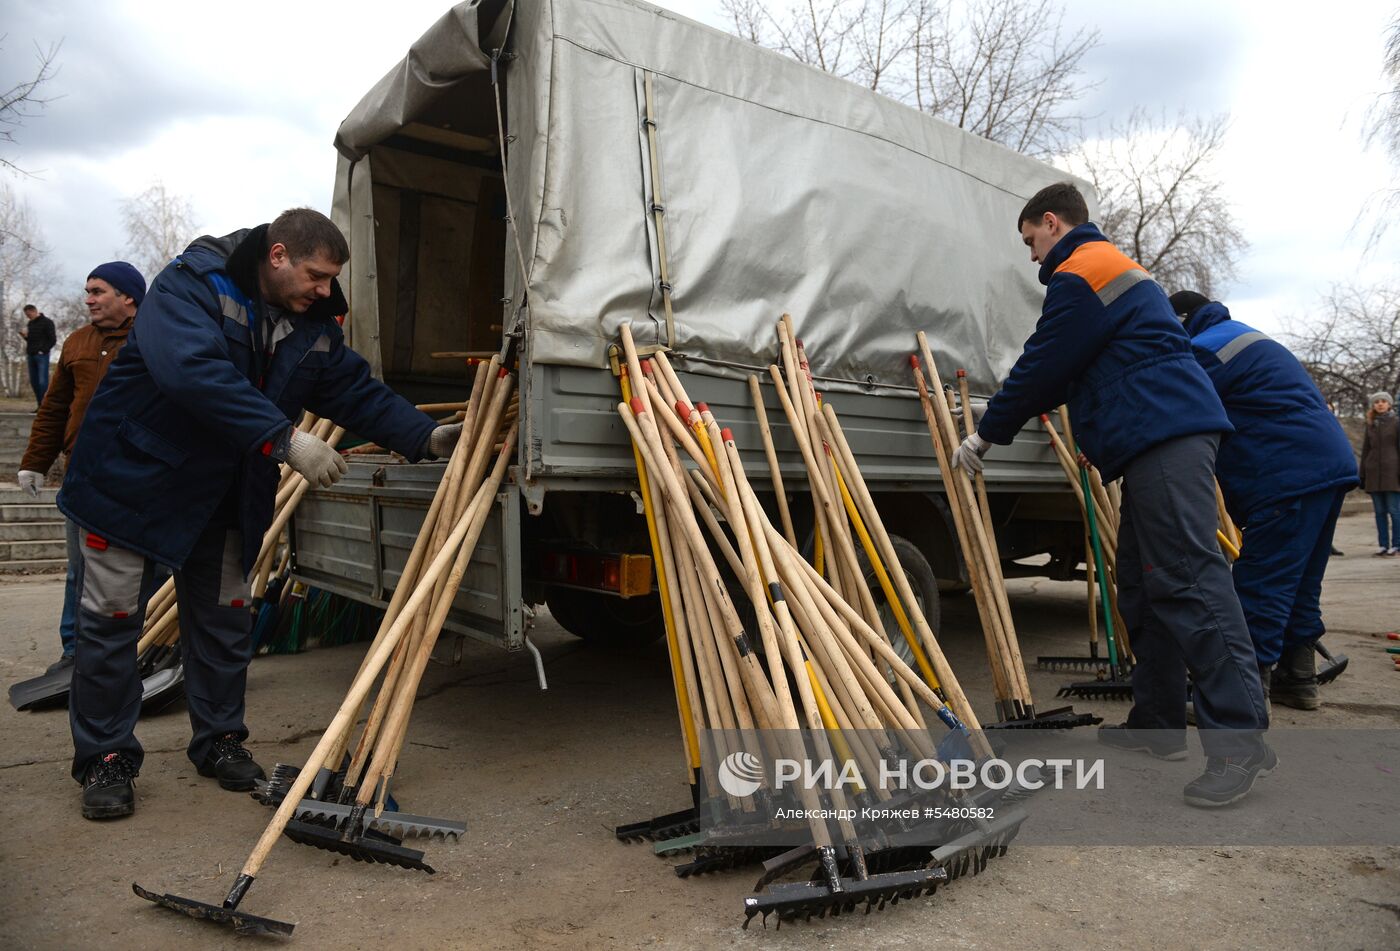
(979, 409)
(31, 481)
(443, 440)
(969, 454)
(318, 463)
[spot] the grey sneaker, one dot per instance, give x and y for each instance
(1229, 779)
(1157, 743)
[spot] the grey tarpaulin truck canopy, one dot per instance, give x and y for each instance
(782, 189)
(785, 189)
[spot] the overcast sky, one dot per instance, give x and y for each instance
(235, 106)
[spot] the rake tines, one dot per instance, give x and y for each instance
(722, 858)
(1106, 689)
(672, 825)
(1064, 662)
(1061, 718)
(807, 900)
(970, 853)
(365, 846)
(392, 822)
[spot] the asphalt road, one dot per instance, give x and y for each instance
(542, 778)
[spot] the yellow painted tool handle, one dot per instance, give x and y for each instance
(886, 585)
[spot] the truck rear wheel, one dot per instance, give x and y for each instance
(605, 620)
(919, 573)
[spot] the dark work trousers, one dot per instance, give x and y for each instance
(1178, 601)
(1278, 576)
(215, 642)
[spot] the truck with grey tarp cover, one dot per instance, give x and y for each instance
(535, 174)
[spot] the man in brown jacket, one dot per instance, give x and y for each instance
(114, 292)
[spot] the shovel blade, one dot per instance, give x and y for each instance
(239, 921)
(42, 692)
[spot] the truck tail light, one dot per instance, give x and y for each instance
(628, 576)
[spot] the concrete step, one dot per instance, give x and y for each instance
(11, 494)
(35, 566)
(34, 512)
(32, 531)
(33, 550)
(15, 426)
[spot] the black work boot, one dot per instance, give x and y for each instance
(1229, 779)
(108, 791)
(1159, 743)
(1294, 682)
(63, 663)
(231, 764)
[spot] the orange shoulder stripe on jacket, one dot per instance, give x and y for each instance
(1098, 262)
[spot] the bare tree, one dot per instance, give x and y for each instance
(1383, 129)
(159, 225)
(26, 276)
(1351, 345)
(1161, 201)
(1007, 70)
(25, 100)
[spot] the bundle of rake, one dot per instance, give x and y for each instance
(351, 816)
(976, 533)
(1099, 507)
(857, 700)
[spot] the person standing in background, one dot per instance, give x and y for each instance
(114, 292)
(39, 338)
(1380, 470)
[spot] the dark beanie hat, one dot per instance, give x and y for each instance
(1186, 303)
(122, 276)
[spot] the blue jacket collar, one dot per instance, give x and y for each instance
(1080, 234)
(1206, 317)
(237, 255)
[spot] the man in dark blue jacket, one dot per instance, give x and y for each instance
(177, 464)
(1108, 344)
(1284, 472)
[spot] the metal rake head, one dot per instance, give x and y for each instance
(709, 858)
(970, 853)
(400, 825)
(806, 900)
(672, 825)
(1072, 663)
(1062, 718)
(366, 846)
(239, 921)
(1098, 690)
(271, 791)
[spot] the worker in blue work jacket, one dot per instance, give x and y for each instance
(1108, 344)
(177, 464)
(1284, 472)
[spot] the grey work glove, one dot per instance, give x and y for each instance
(31, 481)
(969, 454)
(443, 439)
(317, 462)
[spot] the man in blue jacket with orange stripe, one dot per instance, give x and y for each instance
(177, 464)
(1284, 472)
(1108, 344)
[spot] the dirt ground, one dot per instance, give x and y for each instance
(543, 777)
